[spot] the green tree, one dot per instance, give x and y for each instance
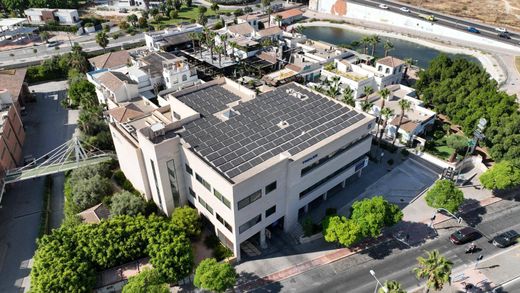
(444, 194)
(127, 203)
(392, 287)
(177, 4)
(503, 175)
(44, 36)
(375, 213)
(79, 93)
(132, 18)
(386, 113)
(215, 7)
(348, 97)
(143, 23)
(374, 40)
(367, 90)
(171, 255)
(435, 268)
(214, 276)
(457, 143)
(187, 220)
(102, 40)
(174, 14)
(124, 25)
(149, 281)
(89, 192)
(278, 20)
(388, 46)
(342, 230)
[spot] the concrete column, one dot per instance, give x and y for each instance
(343, 183)
(263, 244)
(306, 208)
(325, 195)
(236, 250)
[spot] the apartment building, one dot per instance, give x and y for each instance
(12, 134)
(247, 162)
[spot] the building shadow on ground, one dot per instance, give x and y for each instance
(250, 282)
(475, 216)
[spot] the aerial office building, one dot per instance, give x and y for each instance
(247, 162)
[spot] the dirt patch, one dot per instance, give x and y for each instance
(494, 12)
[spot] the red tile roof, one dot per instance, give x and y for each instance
(12, 80)
(289, 13)
(110, 60)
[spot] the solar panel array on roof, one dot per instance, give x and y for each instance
(254, 135)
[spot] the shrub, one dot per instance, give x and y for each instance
(220, 252)
(127, 203)
(214, 276)
(187, 219)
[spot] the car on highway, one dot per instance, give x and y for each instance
(404, 9)
(506, 239)
(53, 44)
(473, 30)
(464, 235)
(501, 29)
(504, 36)
(383, 6)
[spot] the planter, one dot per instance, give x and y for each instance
(311, 238)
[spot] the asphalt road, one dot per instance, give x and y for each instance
(511, 287)
(443, 19)
(393, 260)
(47, 126)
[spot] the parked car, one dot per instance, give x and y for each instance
(504, 36)
(464, 235)
(383, 6)
(506, 239)
(501, 29)
(473, 30)
(404, 9)
(53, 44)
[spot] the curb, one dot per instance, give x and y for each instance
(338, 255)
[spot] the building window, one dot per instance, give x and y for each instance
(189, 170)
(203, 181)
(270, 211)
(380, 68)
(184, 78)
(192, 193)
(221, 198)
(221, 220)
(224, 240)
(270, 187)
(244, 227)
(226, 202)
(205, 205)
(173, 182)
(387, 70)
(250, 199)
(217, 194)
(156, 182)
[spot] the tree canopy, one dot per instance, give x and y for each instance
(214, 276)
(149, 280)
(367, 219)
(444, 194)
(127, 203)
(502, 175)
(435, 268)
(88, 192)
(464, 92)
(68, 259)
(187, 219)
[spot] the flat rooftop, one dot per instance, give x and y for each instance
(289, 119)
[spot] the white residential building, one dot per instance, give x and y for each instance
(46, 15)
(247, 162)
(287, 17)
(113, 87)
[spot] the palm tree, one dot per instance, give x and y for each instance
(366, 106)
(374, 40)
(219, 50)
(335, 81)
(278, 20)
(210, 42)
(435, 268)
(223, 39)
(388, 46)
(193, 36)
(384, 93)
(332, 92)
(102, 40)
(367, 91)
(215, 7)
(409, 63)
(386, 113)
(405, 105)
(365, 41)
(348, 97)
(44, 36)
(269, 10)
(392, 287)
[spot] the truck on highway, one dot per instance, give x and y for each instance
(428, 17)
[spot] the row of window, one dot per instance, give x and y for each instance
(206, 184)
(332, 155)
(206, 205)
(256, 195)
(255, 220)
(210, 210)
(223, 222)
(360, 161)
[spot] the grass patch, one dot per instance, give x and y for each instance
(517, 63)
(186, 14)
(442, 151)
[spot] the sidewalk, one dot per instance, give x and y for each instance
(345, 252)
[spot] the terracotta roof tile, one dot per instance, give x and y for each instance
(289, 13)
(125, 113)
(270, 31)
(12, 80)
(390, 61)
(113, 80)
(241, 29)
(95, 214)
(111, 60)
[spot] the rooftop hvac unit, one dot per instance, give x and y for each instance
(157, 129)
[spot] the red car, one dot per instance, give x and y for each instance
(464, 235)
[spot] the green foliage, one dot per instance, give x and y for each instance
(392, 286)
(220, 252)
(456, 141)
(502, 175)
(310, 228)
(214, 276)
(444, 194)
(79, 93)
(102, 39)
(367, 219)
(149, 280)
(69, 258)
(435, 268)
(187, 219)
(90, 191)
(464, 92)
(127, 203)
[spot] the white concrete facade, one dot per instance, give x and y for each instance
(247, 204)
(45, 15)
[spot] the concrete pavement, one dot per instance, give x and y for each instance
(47, 126)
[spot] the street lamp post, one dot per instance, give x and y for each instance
(378, 283)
